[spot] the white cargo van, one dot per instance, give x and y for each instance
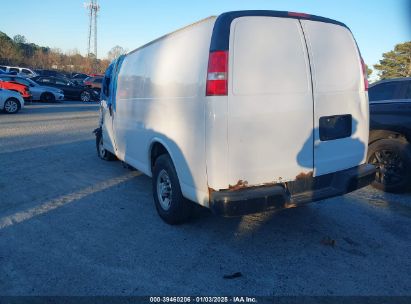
(240, 113)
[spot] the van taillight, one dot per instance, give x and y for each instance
(364, 74)
(217, 73)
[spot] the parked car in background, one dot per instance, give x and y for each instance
(93, 82)
(26, 72)
(390, 133)
(17, 87)
(70, 89)
(38, 92)
(49, 73)
(10, 102)
(8, 73)
(96, 75)
(78, 78)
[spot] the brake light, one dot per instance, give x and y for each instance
(217, 74)
(301, 15)
(364, 74)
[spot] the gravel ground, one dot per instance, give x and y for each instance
(72, 224)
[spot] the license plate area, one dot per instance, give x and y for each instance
(335, 127)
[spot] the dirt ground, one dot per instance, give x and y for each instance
(72, 224)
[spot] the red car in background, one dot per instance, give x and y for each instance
(17, 87)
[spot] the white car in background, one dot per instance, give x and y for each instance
(25, 72)
(10, 102)
(38, 92)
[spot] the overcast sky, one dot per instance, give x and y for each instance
(377, 24)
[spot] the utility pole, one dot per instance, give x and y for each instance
(93, 8)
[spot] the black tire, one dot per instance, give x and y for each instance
(179, 208)
(47, 97)
(392, 158)
(101, 152)
(11, 106)
(85, 96)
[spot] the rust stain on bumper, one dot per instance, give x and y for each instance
(240, 185)
(304, 175)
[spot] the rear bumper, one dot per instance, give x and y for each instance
(290, 194)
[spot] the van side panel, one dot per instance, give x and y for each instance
(161, 98)
(338, 91)
(270, 107)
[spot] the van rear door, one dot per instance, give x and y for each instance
(340, 101)
(270, 103)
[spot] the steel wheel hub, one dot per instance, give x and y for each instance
(164, 192)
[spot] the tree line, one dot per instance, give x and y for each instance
(17, 51)
(395, 63)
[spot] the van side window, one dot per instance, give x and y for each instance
(14, 70)
(25, 71)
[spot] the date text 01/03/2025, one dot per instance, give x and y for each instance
(203, 300)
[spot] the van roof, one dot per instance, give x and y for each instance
(172, 33)
(221, 32)
(222, 25)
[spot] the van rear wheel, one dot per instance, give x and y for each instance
(172, 207)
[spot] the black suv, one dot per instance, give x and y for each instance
(390, 133)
